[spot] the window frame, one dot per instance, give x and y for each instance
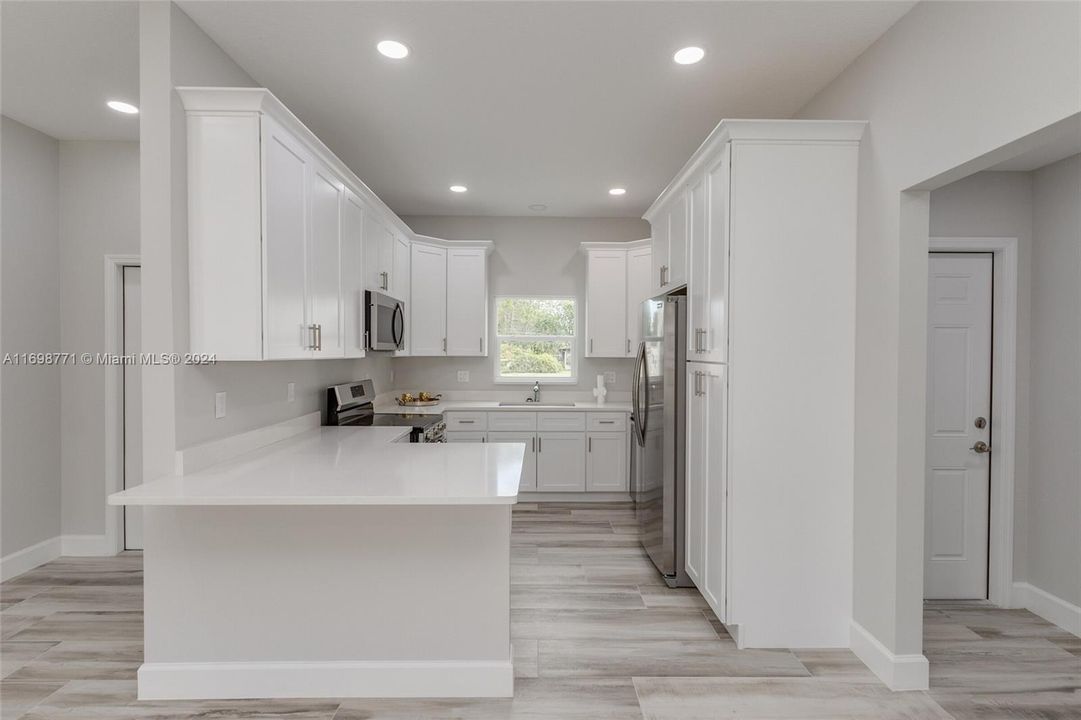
(498, 378)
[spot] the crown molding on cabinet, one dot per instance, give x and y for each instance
(759, 131)
(487, 245)
(633, 245)
(241, 100)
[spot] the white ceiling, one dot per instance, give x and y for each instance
(537, 102)
(62, 60)
(524, 102)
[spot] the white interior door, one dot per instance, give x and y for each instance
(958, 494)
(133, 404)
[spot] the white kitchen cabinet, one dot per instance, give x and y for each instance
(529, 462)
(352, 275)
(670, 243)
(561, 462)
(706, 482)
(282, 237)
(429, 300)
(606, 462)
(606, 304)
(771, 216)
(324, 261)
(378, 254)
(707, 288)
(286, 175)
(467, 302)
(639, 289)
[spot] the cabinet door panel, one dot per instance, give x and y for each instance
(561, 462)
(378, 253)
(429, 299)
(324, 265)
(715, 399)
(606, 462)
(606, 304)
(285, 309)
(698, 273)
(715, 316)
(529, 462)
(677, 243)
(658, 251)
(467, 302)
(639, 289)
(353, 275)
(697, 440)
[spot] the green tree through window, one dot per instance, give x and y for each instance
(535, 337)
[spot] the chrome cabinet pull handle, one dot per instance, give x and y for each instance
(591, 344)
(386, 280)
(444, 344)
(533, 444)
(628, 346)
(467, 422)
(318, 337)
(589, 445)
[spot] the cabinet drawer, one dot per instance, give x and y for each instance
(467, 437)
(467, 421)
(566, 421)
(607, 422)
(512, 420)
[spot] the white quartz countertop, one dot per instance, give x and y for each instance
(481, 405)
(347, 466)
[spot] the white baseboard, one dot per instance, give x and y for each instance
(899, 672)
(27, 559)
(583, 497)
(86, 546)
(1050, 607)
(400, 679)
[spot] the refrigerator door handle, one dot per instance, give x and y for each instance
(640, 410)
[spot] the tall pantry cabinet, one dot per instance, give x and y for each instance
(767, 213)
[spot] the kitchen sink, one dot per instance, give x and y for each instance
(536, 404)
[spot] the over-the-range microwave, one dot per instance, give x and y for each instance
(384, 321)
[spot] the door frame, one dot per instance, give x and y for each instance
(114, 395)
(1003, 403)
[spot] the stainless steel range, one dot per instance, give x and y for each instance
(351, 404)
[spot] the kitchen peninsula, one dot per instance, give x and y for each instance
(339, 562)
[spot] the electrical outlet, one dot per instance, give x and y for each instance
(291, 392)
(609, 378)
(463, 376)
(219, 405)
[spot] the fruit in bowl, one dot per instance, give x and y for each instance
(406, 398)
(425, 396)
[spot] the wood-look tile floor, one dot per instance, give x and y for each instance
(596, 636)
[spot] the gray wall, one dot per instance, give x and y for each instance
(532, 256)
(1054, 504)
(29, 322)
(920, 86)
(99, 216)
(999, 204)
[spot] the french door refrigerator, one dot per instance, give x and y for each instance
(659, 418)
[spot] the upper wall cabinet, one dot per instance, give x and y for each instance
(617, 281)
(449, 297)
(283, 238)
(670, 243)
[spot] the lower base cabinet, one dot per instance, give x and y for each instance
(606, 462)
(561, 462)
(574, 459)
(529, 463)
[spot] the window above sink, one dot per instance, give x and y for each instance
(536, 339)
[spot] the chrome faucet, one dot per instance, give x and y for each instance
(536, 391)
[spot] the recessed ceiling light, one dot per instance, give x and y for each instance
(538, 207)
(458, 188)
(392, 49)
(123, 107)
(618, 191)
(689, 55)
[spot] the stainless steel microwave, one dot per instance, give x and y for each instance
(384, 322)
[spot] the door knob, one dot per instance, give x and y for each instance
(980, 447)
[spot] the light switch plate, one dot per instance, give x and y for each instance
(219, 405)
(609, 378)
(291, 392)
(463, 376)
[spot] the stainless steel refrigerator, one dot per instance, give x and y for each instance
(659, 418)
